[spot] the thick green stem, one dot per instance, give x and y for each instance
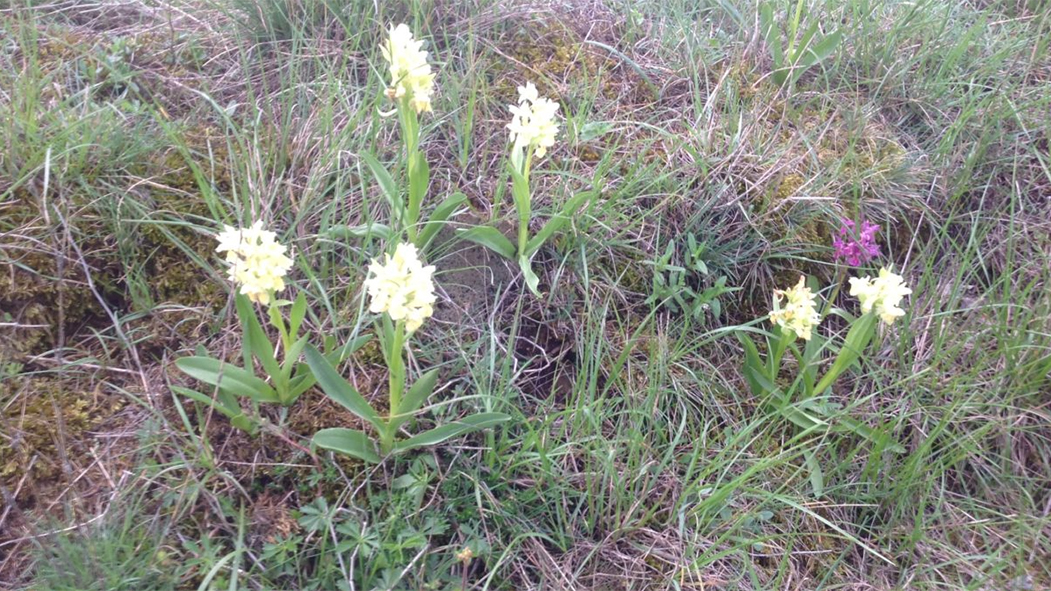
(777, 352)
(410, 132)
(523, 212)
(278, 321)
(831, 301)
(396, 383)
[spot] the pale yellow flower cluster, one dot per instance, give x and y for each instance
(257, 261)
(402, 287)
(410, 73)
(884, 294)
(533, 124)
(799, 313)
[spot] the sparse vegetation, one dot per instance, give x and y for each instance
(651, 428)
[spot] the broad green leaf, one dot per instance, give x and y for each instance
(228, 412)
(294, 352)
(461, 427)
(302, 381)
(339, 390)
(348, 442)
(822, 49)
(556, 222)
(520, 193)
(228, 377)
(532, 281)
(752, 363)
(244, 423)
(416, 396)
(592, 130)
(857, 339)
(782, 402)
(227, 408)
(386, 334)
(255, 340)
(381, 231)
(297, 314)
(291, 364)
(419, 178)
(799, 417)
(772, 34)
(490, 238)
(782, 339)
(811, 361)
(766, 21)
(277, 320)
(438, 217)
(385, 181)
(800, 49)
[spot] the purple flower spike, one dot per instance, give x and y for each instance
(856, 248)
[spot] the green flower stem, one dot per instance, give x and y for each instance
(396, 382)
(278, 322)
(524, 212)
(777, 352)
(841, 274)
(410, 132)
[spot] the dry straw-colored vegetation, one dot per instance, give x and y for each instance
(638, 453)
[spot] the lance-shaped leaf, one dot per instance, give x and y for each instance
(443, 212)
(348, 442)
(492, 239)
(385, 181)
(361, 231)
(555, 223)
(520, 194)
(339, 390)
(857, 339)
(255, 339)
(297, 314)
(532, 281)
(415, 397)
(224, 403)
(752, 364)
(460, 427)
(227, 377)
(419, 178)
(877, 436)
(782, 402)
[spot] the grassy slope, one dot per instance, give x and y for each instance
(636, 459)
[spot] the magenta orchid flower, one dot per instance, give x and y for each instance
(856, 248)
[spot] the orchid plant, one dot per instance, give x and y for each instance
(533, 128)
(258, 264)
(802, 399)
(402, 292)
(411, 89)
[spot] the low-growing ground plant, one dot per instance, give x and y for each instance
(804, 44)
